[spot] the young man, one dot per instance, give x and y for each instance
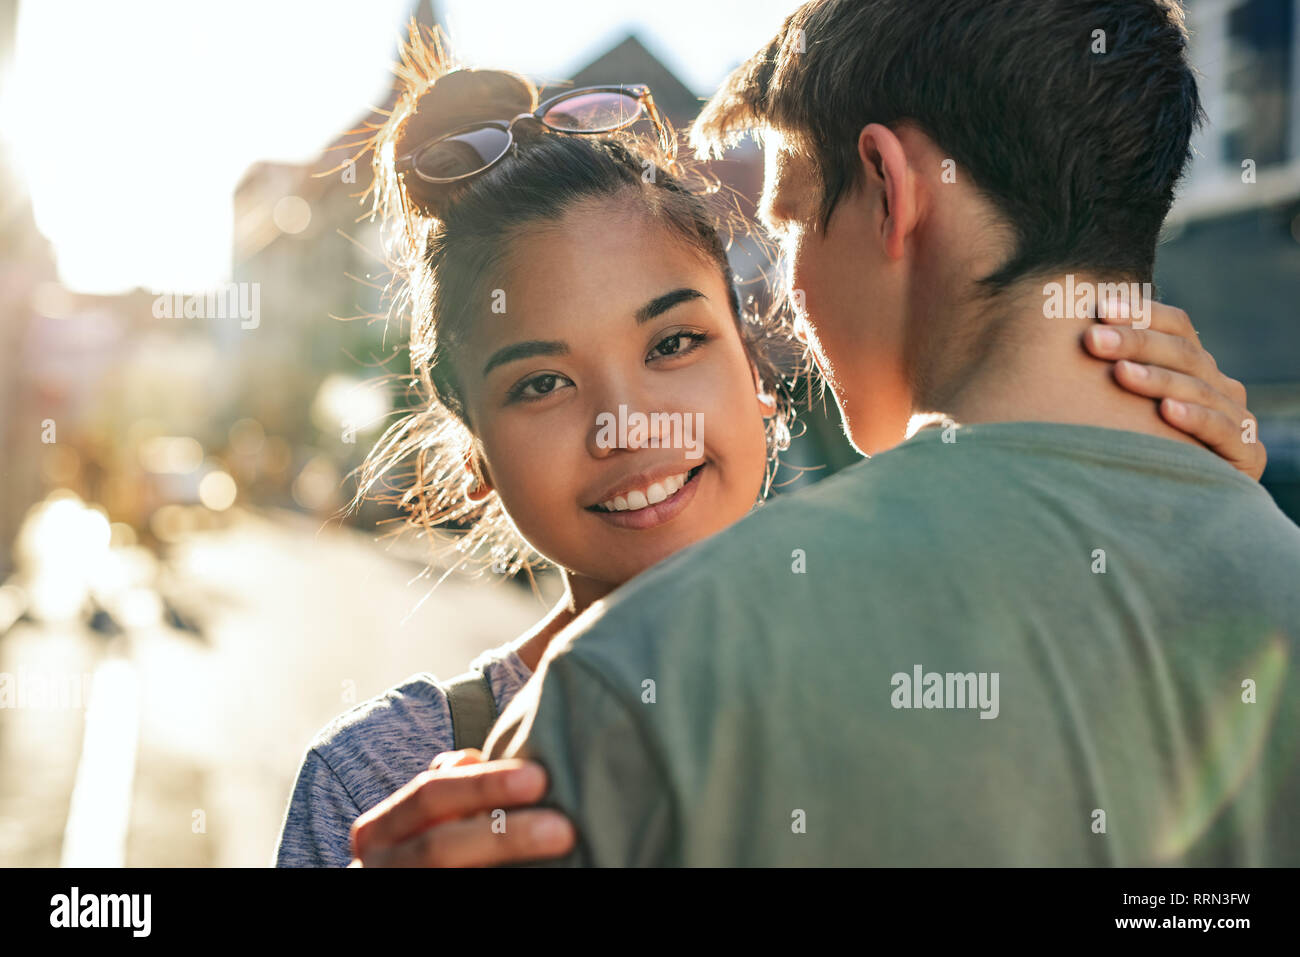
(1050, 629)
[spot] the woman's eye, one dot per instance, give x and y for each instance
(677, 344)
(538, 386)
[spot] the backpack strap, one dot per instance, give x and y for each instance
(473, 708)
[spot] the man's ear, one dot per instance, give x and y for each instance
(885, 165)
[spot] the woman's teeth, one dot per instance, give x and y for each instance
(644, 498)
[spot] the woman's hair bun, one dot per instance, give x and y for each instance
(463, 97)
(435, 96)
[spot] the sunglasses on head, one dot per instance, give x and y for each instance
(470, 150)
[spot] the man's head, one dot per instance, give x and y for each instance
(929, 159)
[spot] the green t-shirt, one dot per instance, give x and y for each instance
(1013, 644)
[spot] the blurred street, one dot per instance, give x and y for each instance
(296, 626)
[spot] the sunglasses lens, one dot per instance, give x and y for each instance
(464, 153)
(593, 112)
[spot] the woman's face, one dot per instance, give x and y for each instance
(606, 333)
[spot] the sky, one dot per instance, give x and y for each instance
(132, 122)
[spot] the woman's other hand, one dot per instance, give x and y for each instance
(460, 813)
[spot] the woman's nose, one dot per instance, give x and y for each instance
(630, 426)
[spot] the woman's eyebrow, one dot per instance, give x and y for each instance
(551, 347)
(525, 350)
(661, 304)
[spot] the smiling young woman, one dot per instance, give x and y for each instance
(550, 284)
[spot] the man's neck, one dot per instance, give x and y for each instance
(1038, 370)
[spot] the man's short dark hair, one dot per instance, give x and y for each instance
(1079, 149)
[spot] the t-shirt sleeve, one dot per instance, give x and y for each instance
(604, 773)
(317, 825)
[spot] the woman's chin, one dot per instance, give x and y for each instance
(634, 558)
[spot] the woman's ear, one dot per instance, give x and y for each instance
(766, 401)
(479, 487)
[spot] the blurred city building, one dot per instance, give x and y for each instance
(1231, 251)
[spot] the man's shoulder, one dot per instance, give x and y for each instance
(965, 514)
(727, 585)
(778, 534)
(811, 513)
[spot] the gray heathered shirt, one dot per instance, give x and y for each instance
(370, 751)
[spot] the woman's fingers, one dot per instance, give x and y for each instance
(1165, 360)
(1155, 348)
(452, 759)
(1158, 382)
(1147, 314)
(1193, 407)
(1146, 337)
(435, 796)
(484, 840)
(1220, 432)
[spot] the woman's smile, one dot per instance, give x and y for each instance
(652, 504)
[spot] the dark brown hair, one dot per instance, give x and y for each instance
(1080, 150)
